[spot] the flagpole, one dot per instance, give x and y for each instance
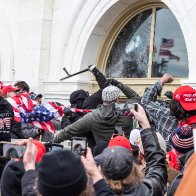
(159, 50)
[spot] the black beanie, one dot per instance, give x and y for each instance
(61, 173)
(78, 96)
(11, 179)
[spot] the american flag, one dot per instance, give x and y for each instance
(21, 104)
(43, 113)
(164, 52)
(25, 111)
(167, 43)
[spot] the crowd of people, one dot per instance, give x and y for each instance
(145, 148)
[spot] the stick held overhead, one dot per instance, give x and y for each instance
(70, 75)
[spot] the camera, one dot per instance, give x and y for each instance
(79, 145)
(11, 150)
(130, 105)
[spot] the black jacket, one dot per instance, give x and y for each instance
(154, 183)
(16, 132)
(6, 120)
(11, 179)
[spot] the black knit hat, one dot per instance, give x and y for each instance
(61, 173)
(11, 179)
(78, 96)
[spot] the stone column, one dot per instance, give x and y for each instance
(33, 42)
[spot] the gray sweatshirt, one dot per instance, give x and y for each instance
(101, 122)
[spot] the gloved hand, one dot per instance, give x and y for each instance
(67, 111)
(91, 67)
(115, 82)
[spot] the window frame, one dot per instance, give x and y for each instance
(119, 24)
(137, 84)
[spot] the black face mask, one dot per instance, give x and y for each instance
(78, 97)
(176, 110)
(77, 105)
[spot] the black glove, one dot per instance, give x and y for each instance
(67, 111)
(91, 67)
(115, 82)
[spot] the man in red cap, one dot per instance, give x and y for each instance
(9, 91)
(186, 96)
(183, 105)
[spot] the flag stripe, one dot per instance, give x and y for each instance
(49, 126)
(59, 108)
(164, 52)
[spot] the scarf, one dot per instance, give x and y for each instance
(189, 121)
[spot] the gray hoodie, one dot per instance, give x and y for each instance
(101, 122)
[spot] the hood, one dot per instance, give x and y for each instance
(106, 114)
(108, 111)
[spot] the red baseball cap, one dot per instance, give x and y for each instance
(7, 89)
(120, 141)
(186, 95)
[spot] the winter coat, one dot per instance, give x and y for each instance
(11, 178)
(6, 120)
(16, 132)
(100, 122)
(154, 183)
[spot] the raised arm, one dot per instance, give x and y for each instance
(95, 99)
(100, 78)
(156, 171)
(151, 94)
(80, 126)
(128, 92)
(28, 179)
